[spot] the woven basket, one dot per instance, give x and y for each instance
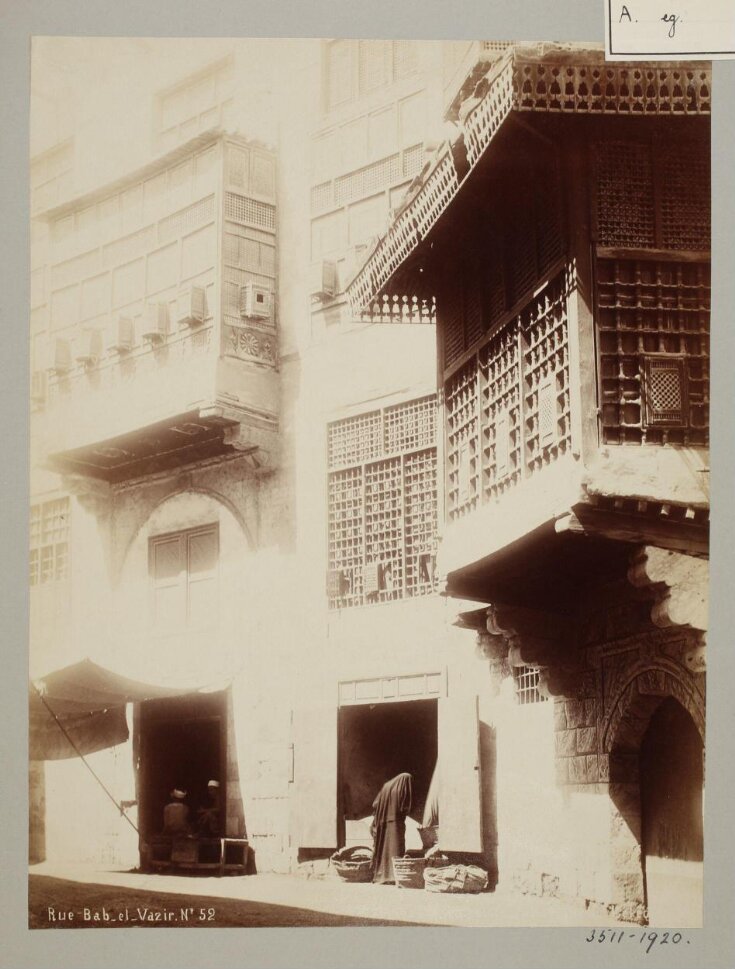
(352, 869)
(409, 872)
(456, 879)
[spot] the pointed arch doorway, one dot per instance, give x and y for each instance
(671, 770)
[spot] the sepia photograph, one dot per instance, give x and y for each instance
(369, 484)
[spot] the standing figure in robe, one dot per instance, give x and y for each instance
(388, 829)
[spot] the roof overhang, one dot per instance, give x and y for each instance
(555, 80)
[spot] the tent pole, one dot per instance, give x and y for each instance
(79, 754)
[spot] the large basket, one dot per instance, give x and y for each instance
(455, 879)
(409, 872)
(351, 868)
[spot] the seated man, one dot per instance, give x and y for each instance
(176, 815)
(208, 818)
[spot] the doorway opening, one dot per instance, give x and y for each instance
(182, 744)
(671, 785)
(376, 742)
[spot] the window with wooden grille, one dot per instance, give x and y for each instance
(508, 410)
(526, 685)
(382, 497)
(183, 570)
(653, 195)
(355, 69)
(653, 344)
(49, 541)
(653, 308)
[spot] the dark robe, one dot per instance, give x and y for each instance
(390, 808)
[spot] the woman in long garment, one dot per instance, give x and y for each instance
(388, 829)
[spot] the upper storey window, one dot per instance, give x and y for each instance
(382, 489)
(199, 102)
(49, 553)
(652, 275)
(354, 69)
(183, 569)
(51, 176)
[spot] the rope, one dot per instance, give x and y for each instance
(79, 754)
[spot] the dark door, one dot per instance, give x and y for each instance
(671, 782)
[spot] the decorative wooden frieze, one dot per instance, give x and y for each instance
(562, 82)
(248, 343)
(578, 85)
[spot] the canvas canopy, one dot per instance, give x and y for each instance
(81, 709)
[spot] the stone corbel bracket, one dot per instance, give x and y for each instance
(92, 494)
(541, 639)
(679, 584)
(261, 459)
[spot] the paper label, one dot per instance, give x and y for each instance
(669, 29)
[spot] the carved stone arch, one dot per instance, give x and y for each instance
(638, 698)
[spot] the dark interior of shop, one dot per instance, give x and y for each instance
(378, 741)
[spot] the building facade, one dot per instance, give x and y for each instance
(573, 376)
(248, 496)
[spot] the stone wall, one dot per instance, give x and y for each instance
(569, 811)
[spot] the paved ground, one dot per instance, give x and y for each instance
(275, 900)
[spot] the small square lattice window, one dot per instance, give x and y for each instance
(665, 397)
(526, 682)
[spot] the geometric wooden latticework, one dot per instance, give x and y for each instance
(545, 326)
(355, 440)
(653, 329)
(653, 195)
(664, 391)
(508, 405)
(625, 201)
(382, 499)
(463, 444)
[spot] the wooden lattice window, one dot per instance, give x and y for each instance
(49, 541)
(653, 327)
(508, 406)
(526, 683)
(653, 195)
(463, 446)
(355, 69)
(664, 391)
(382, 504)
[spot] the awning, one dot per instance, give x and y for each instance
(81, 709)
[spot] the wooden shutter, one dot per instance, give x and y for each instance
(315, 776)
(168, 569)
(459, 772)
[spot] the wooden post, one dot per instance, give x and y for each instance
(582, 339)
